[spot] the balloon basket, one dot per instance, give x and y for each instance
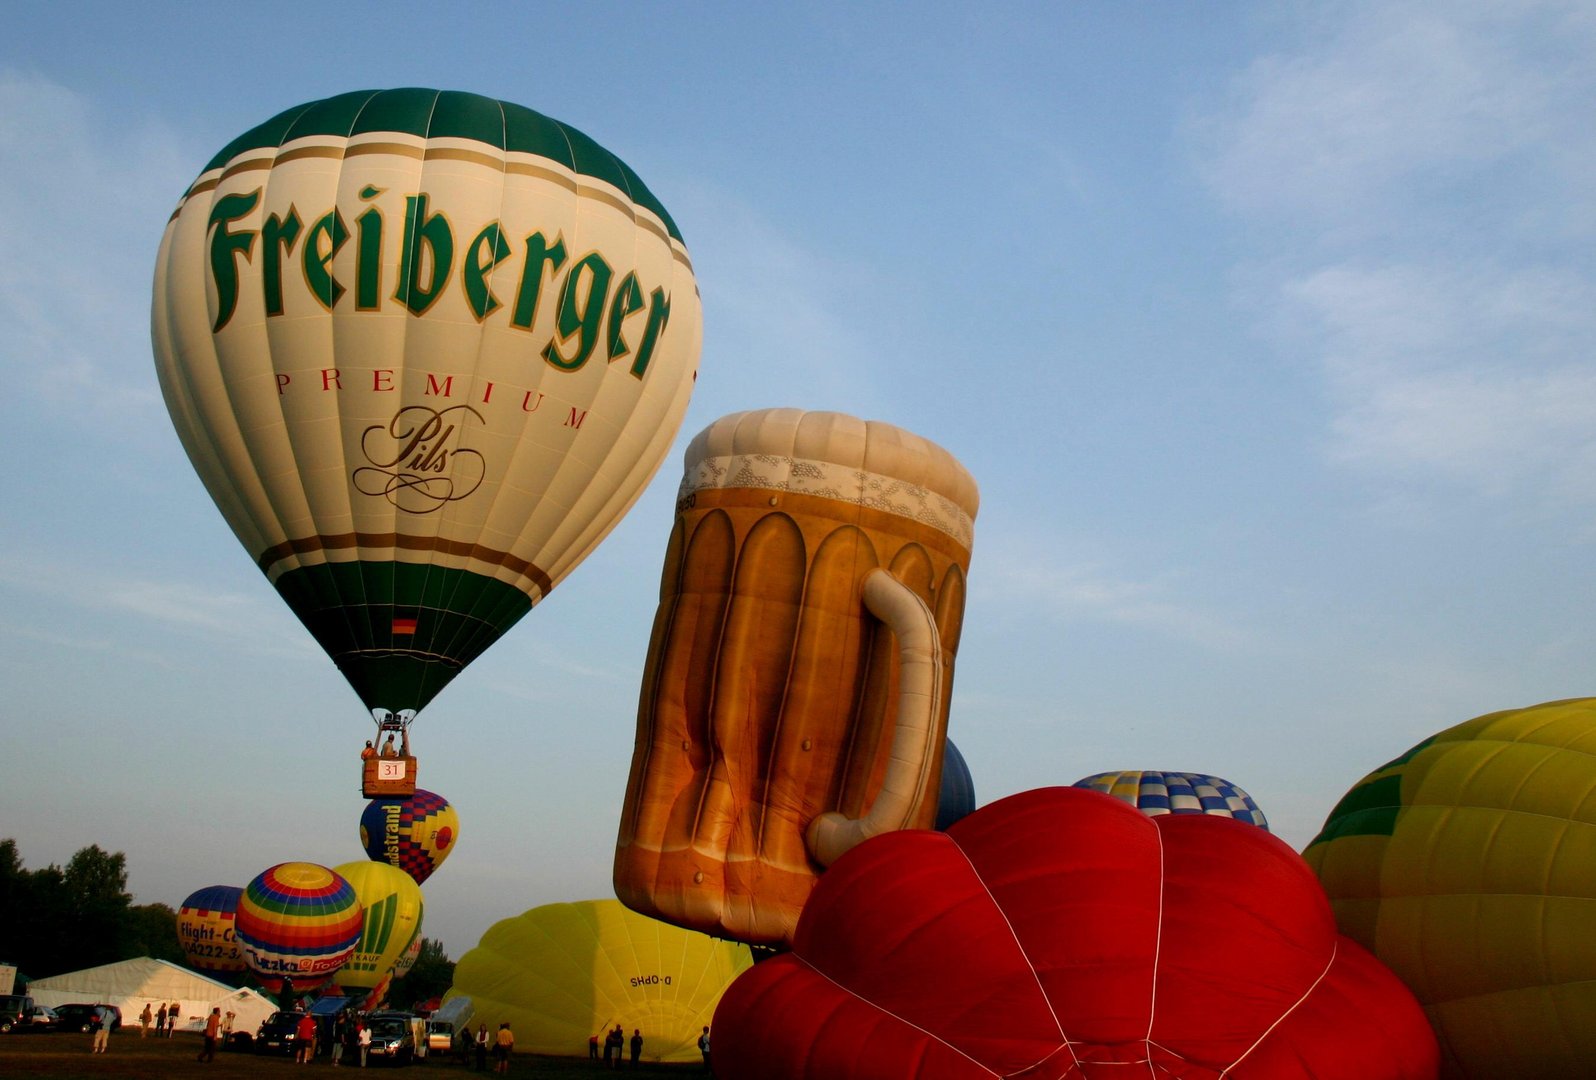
(382, 778)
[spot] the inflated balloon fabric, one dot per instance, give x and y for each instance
(297, 920)
(391, 911)
(774, 692)
(1061, 935)
(424, 348)
(205, 929)
(562, 972)
(1154, 792)
(956, 797)
(1468, 865)
(415, 833)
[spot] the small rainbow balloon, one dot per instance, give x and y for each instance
(299, 921)
(414, 834)
(205, 929)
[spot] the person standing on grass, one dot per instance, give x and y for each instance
(213, 1027)
(503, 1043)
(100, 1025)
(144, 1020)
(305, 1040)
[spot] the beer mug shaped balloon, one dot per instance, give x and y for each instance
(795, 697)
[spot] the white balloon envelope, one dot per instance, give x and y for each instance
(424, 349)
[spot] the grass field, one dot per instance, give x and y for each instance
(67, 1057)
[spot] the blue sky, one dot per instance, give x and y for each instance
(1266, 330)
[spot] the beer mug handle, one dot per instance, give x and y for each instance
(915, 735)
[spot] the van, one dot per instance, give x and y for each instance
(397, 1037)
(13, 1007)
(440, 1036)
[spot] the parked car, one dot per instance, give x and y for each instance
(276, 1035)
(13, 1007)
(79, 1016)
(40, 1018)
(397, 1038)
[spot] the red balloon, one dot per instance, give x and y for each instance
(1060, 934)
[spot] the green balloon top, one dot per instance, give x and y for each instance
(448, 114)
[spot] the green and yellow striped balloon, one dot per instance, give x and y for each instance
(392, 907)
(424, 349)
(1468, 865)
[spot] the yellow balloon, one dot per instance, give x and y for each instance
(1468, 865)
(392, 903)
(424, 349)
(561, 973)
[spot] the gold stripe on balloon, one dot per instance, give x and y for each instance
(309, 545)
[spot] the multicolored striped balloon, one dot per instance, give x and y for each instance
(392, 904)
(205, 929)
(299, 921)
(414, 834)
(1154, 793)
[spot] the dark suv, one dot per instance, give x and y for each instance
(80, 1017)
(276, 1035)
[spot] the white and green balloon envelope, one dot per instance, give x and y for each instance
(424, 349)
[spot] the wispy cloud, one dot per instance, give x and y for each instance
(255, 624)
(1483, 377)
(1421, 183)
(1098, 593)
(84, 215)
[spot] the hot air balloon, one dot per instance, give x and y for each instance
(561, 972)
(408, 958)
(956, 796)
(795, 696)
(414, 833)
(1059, 933)
(1154, 793)
(205, 929)
(299, 921)
(391, 906)
(1468, 865)
(424, 349)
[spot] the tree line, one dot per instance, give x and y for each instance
(60, 919)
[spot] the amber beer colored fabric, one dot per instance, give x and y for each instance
(770, 693)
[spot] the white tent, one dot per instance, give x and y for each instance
(130, 984)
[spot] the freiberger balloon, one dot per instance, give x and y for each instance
(424, 349)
